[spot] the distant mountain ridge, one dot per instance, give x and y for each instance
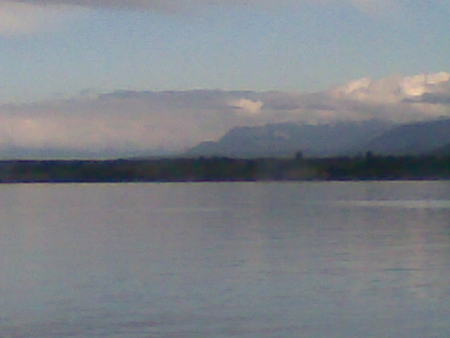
(412, 138)
(323, 140)
(285, 139)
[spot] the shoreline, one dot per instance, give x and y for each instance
(222, 169)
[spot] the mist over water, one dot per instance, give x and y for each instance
(225, 260)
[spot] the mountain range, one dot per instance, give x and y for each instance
(333, 139)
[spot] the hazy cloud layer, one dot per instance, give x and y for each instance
(28, 16)
(185, 4)
(124, 121)
(18, 17)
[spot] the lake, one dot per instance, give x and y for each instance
(305, 259)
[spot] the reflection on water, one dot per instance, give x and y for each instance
(433, 204)
(225, 260)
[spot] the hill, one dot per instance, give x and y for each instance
(412, 139)
(285, 139)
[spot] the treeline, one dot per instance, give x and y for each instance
(368, 167)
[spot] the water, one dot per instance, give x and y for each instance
(225, 260)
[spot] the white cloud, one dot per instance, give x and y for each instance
(423, 83)
(246, 106)
(392, 89)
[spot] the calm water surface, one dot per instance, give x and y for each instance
(225, 260)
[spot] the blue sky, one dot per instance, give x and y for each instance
(107, 75)
(307, 47)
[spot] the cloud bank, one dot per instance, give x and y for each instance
(29, 16)
(18, 17)
(126, 122)
(183, 4)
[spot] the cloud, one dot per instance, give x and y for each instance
(146, 4)
(121, 4)
(246, 106)
(393, 89)
(424, 83)
(365, 5)
(29, 16)
(126, 122)
(155, 5)
(431, 98)
(18, 17)
(395, 98)
(120, 121)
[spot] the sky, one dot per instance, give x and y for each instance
(137, 75)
